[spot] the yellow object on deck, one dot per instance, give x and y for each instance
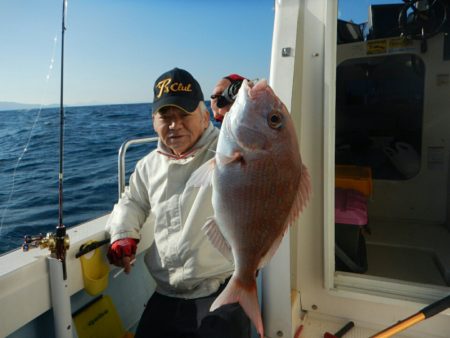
(354, 177)
(100, 320)
(95, 272)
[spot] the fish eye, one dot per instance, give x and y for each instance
(275, 120)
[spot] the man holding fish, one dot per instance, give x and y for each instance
(217, 214)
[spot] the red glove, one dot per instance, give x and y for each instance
(121, 248)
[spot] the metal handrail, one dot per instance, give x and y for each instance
(121, 159)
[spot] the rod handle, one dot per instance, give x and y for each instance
(436, 307)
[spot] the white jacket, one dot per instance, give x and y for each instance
(181, 259)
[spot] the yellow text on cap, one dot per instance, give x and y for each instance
(164, 86)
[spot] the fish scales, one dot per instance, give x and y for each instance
(259, 206)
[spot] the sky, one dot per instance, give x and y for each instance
(115, 49)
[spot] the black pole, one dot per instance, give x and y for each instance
(61, 122)
(61, 229)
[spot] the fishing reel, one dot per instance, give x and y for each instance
(55, 242)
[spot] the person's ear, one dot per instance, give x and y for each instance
(206, 118)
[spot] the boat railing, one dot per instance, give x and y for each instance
(121, 158)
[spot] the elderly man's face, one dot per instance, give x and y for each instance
(179, 130)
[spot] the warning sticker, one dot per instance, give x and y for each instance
(376, 46)
(400, 45)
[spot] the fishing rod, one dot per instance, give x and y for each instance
(59, 289)
(62, 243)
(58, 242)
(425, 313)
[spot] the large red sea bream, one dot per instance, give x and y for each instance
(260, 186)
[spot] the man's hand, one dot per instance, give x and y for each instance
(122, 252)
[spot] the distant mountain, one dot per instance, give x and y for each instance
(16, 106)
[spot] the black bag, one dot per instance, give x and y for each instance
(350, 248)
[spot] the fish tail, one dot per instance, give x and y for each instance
(246, 296)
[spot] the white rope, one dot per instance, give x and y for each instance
(30, 133)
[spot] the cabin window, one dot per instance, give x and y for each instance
(379, 107)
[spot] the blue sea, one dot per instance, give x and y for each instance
(29, 178)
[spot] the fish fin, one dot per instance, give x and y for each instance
(202, 177)
(247, 296)
(225, 159)
(302, 197)
(217, 239)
